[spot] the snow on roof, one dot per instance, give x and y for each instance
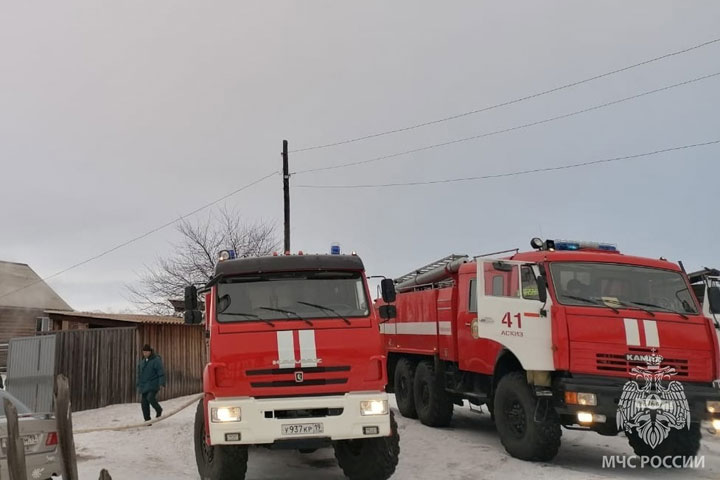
(21, 287)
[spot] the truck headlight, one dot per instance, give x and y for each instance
(713, 406)
(225, 414)
(587, 417)
(716, 425)
(580, 398)
(374, 407)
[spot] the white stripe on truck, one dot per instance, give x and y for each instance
(308, 352)
(652, 339)
(286, 349)
(632, 332)
(423, 328)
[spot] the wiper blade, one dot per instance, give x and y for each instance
(249, 315)
(287, 312)
(590, 300)
(635, 304)
(327, 309)
(652, 305)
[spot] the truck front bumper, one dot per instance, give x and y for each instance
(271, 420)
(609, 389)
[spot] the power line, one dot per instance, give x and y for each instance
(509, 102)
(521, 172)
(140, 237)
(510, 129)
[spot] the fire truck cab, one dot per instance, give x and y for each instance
(706, 285)
(572, 334)
(294, 360)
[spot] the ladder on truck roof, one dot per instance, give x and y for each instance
(429, 267)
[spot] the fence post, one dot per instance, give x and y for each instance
(63, 416)
(15, 445)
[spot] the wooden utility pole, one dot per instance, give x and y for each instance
(286, 195)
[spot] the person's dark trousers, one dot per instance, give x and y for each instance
(148, 398)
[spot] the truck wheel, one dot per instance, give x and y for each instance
(369, 458)
(520, 434)
(404, 378)
(219, 462)
(434, 406)
(679, 443)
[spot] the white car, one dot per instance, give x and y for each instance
(39, 433)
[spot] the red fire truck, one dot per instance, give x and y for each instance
(556, 337)
(706, 284)
(295, 360)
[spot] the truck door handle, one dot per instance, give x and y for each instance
(487, 320)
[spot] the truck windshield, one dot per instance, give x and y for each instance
(616, 285)
(290, 296)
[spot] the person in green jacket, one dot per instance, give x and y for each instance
(149, 380)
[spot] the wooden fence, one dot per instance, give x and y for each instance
(101, 363)
(182, 348)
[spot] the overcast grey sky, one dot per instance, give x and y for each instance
(116, 117)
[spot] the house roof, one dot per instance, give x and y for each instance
(116, 317)
(21, 287)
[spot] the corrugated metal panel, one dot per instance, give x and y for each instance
(31, 371)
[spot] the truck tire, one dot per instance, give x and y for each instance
(369, 458)
(219, 462)
(433, 405)
(522, 436)
(404, 396)
(679, 443)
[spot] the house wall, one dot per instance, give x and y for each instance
(16, 322)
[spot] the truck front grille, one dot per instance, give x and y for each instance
(611, 362)
(281, 371)
(305, 413)
(304, 383)
(287, 377)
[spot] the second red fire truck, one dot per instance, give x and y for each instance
(571, 334)
(295, 361)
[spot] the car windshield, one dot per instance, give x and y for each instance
(22, 409)
(295, 295)
(617, 285)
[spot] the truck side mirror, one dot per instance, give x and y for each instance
(387, 287)
(541, 288)
(387, 312)
(192, 315)
(714, 299)
(501, 266)
(191, 300)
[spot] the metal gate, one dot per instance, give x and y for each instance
(31, 371)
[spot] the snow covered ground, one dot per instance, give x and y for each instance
(470, 449)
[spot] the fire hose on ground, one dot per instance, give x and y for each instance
(182, 407)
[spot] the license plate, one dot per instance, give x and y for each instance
(28, 440)
(302, 428)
